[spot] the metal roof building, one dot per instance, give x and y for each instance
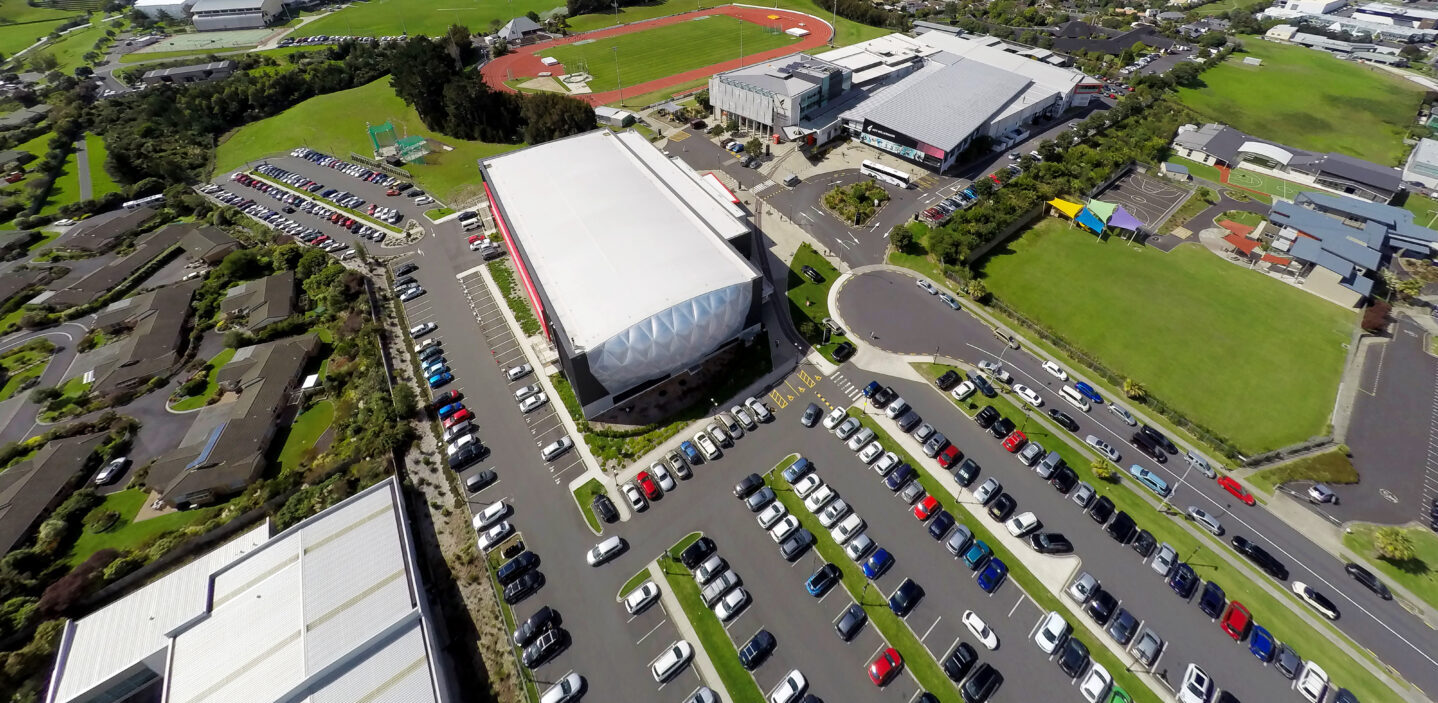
(331, 610)
(1215, 143)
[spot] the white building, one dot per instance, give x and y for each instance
(211, 15)
(331, 609)
(173, 9)
(1422, 164)
(1383, 13)
(1313, 7)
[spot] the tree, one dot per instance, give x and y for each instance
(754, 146)
(459, 43)
(901, 238)
(549, 116)
(1102, 470)
(1212, 40)
(702, 98)
(1134, 390)
(1393, 544)
(1185, 74)
(421, 71)
(405, 402)
(977, 290)
(43, 61)
(951, 9)
(1411, 52)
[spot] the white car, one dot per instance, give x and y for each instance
(564, 690)
(819, 498)
(980, 629)
(1023, 524)
(886, 463)
(1028, 395)
(987, 490)
(533, 402)
(1082, 588)
(790, 689)
(1055, 371)
(1095, 686)
(634, 496)
(1197, 687)
(859, 547)
(871, 452)
(675, 657)
(1051, 633)
(1316, 600)
(847, 528)
(514, 373)
(807, 484)
(963, 390)
(1102, 447)
(727, 422)
(770, 515)
(929, 287)
(641, 598)
(834, 512)
(491, 539)
(730, 605)
(112, 471)
(1312, 683)
(491, 515)
(835, 417)
(782, 529)
(526, 391)
(422, 329)
(760, 410)
(661, 475)
(707, 445)
(1208, 522)
(606, 550)
(713, 566)
(719, 435)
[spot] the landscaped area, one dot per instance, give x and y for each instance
(335, 124)
(809, 301)
(1310, 100)
(100, 180)
(22, 364)
(197, 401)
(1417, 574)
(1424, 209)
(712, 635)
(518, 304)
(303, 433)
(1333, 467)
(584, 495)
(66, 188)
(1142, 310)
(855, 204)
(127, 534)
(666, 50)
(431, 17)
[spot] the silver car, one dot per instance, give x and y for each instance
(1163, 559)
(1208, 522)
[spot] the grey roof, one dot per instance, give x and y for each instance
(25, 116)
(69, 291)
(1175, 168)
(212, 67)
(945, 107)
(203, 241)
(1216, 140)
(16, 281)
(1360, 171)
(100, 232)
(9, 155)
(202, 6)
(788, 75)
(521, 24)
(262, 302)
(31, 487)
(1223, 142)
(157, 322)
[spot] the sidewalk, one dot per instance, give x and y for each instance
(686, 630)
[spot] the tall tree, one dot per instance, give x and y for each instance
(421, 69)
(548, 116)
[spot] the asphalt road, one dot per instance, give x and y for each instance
(906, 319)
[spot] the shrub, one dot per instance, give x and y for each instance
(71, 588)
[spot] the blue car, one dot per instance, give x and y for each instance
(977, 554)
(440, 379)
(1150, 480)
(1183, 581)
(822, 580)
(1262, 645)
(450, 409)
(797, 470)
(871, 389)
(690, 453)
(1213, 600)
(971, 193)
(435, 369)
(993, 575)
(877, 564)
(1089, 392)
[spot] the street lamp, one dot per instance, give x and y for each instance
(615, 49)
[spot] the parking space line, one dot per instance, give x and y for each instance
(931, 628)
(650, 632)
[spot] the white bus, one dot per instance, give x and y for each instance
(892, 176)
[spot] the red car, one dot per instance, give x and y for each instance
(1015, 441)
(882, 671)
(475, 237)
(651, 489)
(949, 456)
(995, 178)
(1236, 621)
(926, 507)
(457, 418)
(1236, 489)
(391, 191)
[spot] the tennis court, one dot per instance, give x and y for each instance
(1151, 200)
(1262, 183)
(207, 41)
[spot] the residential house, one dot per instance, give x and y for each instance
(255, 305)
(1221, 145)
(32, 488)
(155, 322)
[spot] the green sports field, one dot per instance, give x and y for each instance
(23, 24)
(1265, 183)
(1310, 100)
(430, 17)
(667, 50)
(1253, 359)
(335, 124)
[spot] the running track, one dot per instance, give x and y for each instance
(525, 61)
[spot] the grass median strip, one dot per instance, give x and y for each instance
(493, 560)
(632, 583)
(584, 495)
(712, 635)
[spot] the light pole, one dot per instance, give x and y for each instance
(615, 49)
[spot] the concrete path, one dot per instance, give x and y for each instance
(82, 166)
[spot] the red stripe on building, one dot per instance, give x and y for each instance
(518, 262)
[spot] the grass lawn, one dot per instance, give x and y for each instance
(633, 583)
(1264, 183)
(1243, 217)
(100, 181)
(1309, 100)
(303, 434)
(195, 402)
(667, 50)
(1154, 298)
(431, 17)
(1424, 209)
(1417, 575)
(70, 49)
(66, 189)
(584, 495)
(916, 257)
(438, 212)
(14, 382)
(23, 24)
(712, 635)
(1197, 169)
(129, 534)
(809, 301)
(659, 95)
(1219, 7)
(1332, 466)
(335, 123)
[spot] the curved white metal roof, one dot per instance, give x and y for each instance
(1267, 151)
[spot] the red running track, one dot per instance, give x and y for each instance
(525, 61)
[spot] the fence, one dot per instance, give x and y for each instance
(377, 164)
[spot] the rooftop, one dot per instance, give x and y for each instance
(787, 76)
(615, 232)
(100, 232)
(1226, 143)
(192, 69)
(68, 291)
(267, 299)
(943, 107)
(157, 321)
(28, 488)
(204, 6)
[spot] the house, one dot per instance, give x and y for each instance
(1171, 16)
(26, 116)
(32, 488)
(13, 245)
(255, 305)
(11, 159)
(1422, 164)
(518, 30)
(208, 244)
(613, 117)
(1337, 242)
(1217, 144)
(156, 325)
(78, 289)
(1196, 29)
(1177, 172)
(197, 73)
(103, 231)
(224, 450)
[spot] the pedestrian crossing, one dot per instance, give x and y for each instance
(851, 390)
(762, 187)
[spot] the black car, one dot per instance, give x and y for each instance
(1064, 479)
(1369, 581)
(1101, 510)
(986, 416)
(445, 398)
(510, 571)
(844, 351)
(748, 485)
(982, 384)
(886, 395)
(604, 508)
(1073, 657)
(467, 455)
(905, 597)
(757, 650)
(480, 481)
(959, 661)
(1101, 606)
(1063, 419)
(966, 472)
(982, 685)
(541, 621)
(796, 544)
(1050, 543)
(695, 554)
(1001, 428)
(1213, 600)
(822, 580)
(899, 477)
(1144, 543)
(514, 549)
(908, 421)
(1124, 627)
(544, 648)
(1183, 581)
(849, 624)
(811, 415)
(406, 268)
(812, 273)
(1002, 507)
(1158, 438)
(523, 587)
(948, 380)
(1122, 528)
(1260, 556)
(1146, 445)
(939, 526)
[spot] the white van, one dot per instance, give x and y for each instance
(470, 225)
(674, 658)
(604, 551)
(1074, 398)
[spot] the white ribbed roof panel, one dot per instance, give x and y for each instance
(397, 672)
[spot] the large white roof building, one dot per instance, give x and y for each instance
(329, 611)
